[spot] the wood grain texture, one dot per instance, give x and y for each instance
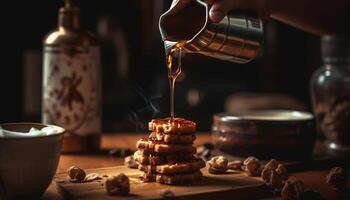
(232, 184)
(311, 172)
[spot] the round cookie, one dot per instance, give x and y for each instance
(172, 126)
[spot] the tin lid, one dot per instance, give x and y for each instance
(263, 115)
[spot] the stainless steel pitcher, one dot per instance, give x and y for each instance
(236, 38)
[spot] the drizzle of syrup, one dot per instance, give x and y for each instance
(150, 174)
(174, 70)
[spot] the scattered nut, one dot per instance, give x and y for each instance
(117, 185)
(235, 165)
(130, 162)
(167, 193)
(276, 180)
(218, 165)
(266, 172)
(271, 166)
(292, 190)
(282, 171)
(213, 170)
(91, 177)
(76, 174)
(251, 166)
(337, 178)
(218, 162)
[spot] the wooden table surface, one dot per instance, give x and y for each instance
(313, 180)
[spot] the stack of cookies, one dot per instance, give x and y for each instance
(167, 155)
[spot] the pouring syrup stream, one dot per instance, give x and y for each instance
(173, 63)
(174, 71)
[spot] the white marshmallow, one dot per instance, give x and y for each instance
(33, 132)
(49, 130)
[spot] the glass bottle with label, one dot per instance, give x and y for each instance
(71, 82)
(330, 92)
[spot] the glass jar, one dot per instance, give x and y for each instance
(330, 92)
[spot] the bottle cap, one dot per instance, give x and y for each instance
(335, 48)
(69, 15)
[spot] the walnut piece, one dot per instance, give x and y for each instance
(266, 172)
(292, 190)
(282, 171)
(337, 178)
(218, 165)
(76, 174)
(273, 165)
(235, 165)
(130, 162)
(276, 180)
(117, 185)
(213, 170)
(251, 166)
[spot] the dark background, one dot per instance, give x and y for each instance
(130, 99)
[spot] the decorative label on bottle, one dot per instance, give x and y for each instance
(71, 89)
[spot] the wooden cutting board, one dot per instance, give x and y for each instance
(233, 185)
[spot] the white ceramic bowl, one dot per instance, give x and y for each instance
(28, 164)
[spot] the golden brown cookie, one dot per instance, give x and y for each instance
(162, 149)
(180, 179)
(158, 160)
(173, 138)
(175, 126)
(176, 168)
